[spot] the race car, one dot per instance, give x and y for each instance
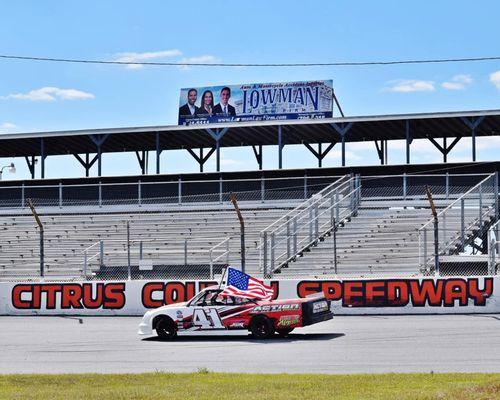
(211, 310)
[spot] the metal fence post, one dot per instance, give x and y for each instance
(220, 190)
(305, 186)
(262, 189)
(264, 250)
(100, 194)
(480, 207)
(140, 250)
(272, 254)
(462, 223)
(60, 195)
(295, 236)
(85, 263)
(129, 268)
(287, 237)
(227, 251)
(310, 224)
(495, 192)
(335, 246)
(404, 186)
(22, 196)
(447, 185)
(101, 253)
(179, 191)
(425, 248)
(139, 193)
(185, 251)
(337, 211)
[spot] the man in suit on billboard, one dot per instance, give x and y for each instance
(189, 109)
(224, 109)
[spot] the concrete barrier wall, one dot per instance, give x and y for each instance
(448, 295)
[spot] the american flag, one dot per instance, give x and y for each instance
(243, 285)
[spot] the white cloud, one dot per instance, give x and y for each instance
(458, 82)
(410, 85)
(49, 93)
(204, 59)
(145, 57)
(8, 125)
(495, 79)
(337, 154)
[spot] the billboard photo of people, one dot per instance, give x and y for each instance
(256, 102)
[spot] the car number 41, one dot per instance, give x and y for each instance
(207, 318)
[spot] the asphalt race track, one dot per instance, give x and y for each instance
(372, 344)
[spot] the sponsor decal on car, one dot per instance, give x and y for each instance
(320, 306)
(276, 307)
(288, 320)
(237, 324)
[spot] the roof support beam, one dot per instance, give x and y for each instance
(473, 124)
(158, 152)
(201, 159)
(409, 140)
(217, 136)
(258, 155)
(281, 144)
(382, 151)
(31, 165)
(142, 160)
(445, 149)
(87, 164)
(342, 129)
(99, 140)
(320, 154)
(42, 158)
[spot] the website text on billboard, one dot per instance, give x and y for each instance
(256, 102)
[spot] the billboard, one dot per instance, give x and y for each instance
(256, 102)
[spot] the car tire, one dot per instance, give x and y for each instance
(166, 329)
(262, 328)
(284, 332)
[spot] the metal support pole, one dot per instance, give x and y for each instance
(60, 195)
(264, 258)
(129, 268)
(139, 193)
(100, 194)
(22, 196)
(99, 160)
(480, 207)
(42, 254)
(295, 236)
(320, 158)
(288, 250)
(335, 246)
(473, 134)
(179, 191)
(425, 248)
(84, 263)
(217, 149)
(495, 192)
(272, 254)
(158, 153)
(42, 157)
(404, 185)
(140, 250)
(280, 147)
(101, 253)
(185, 251)
(337, 210)
(447, 185)
(220, 189)
(462, 223)
(343, 150)
(262, 189)
(316, 222)
(408, 141)
(305, 186)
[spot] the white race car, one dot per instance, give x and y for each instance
(209, 310)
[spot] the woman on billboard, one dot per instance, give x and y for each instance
(207, 104)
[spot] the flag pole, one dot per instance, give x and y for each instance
(223, 275)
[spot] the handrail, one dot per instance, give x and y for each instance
(457, 200)
(320, 193)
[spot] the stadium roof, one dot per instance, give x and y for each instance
(355, 129)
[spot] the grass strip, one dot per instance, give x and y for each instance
(218, 386)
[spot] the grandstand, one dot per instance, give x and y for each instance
(346, 222)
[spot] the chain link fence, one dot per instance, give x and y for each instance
(323, 226)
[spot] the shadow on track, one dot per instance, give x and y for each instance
(293, 337)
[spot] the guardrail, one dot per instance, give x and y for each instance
(304, 226)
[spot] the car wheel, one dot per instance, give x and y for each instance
(166, 329)
(261, 328)
(284, 332)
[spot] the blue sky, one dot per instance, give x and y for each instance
(40, 96)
